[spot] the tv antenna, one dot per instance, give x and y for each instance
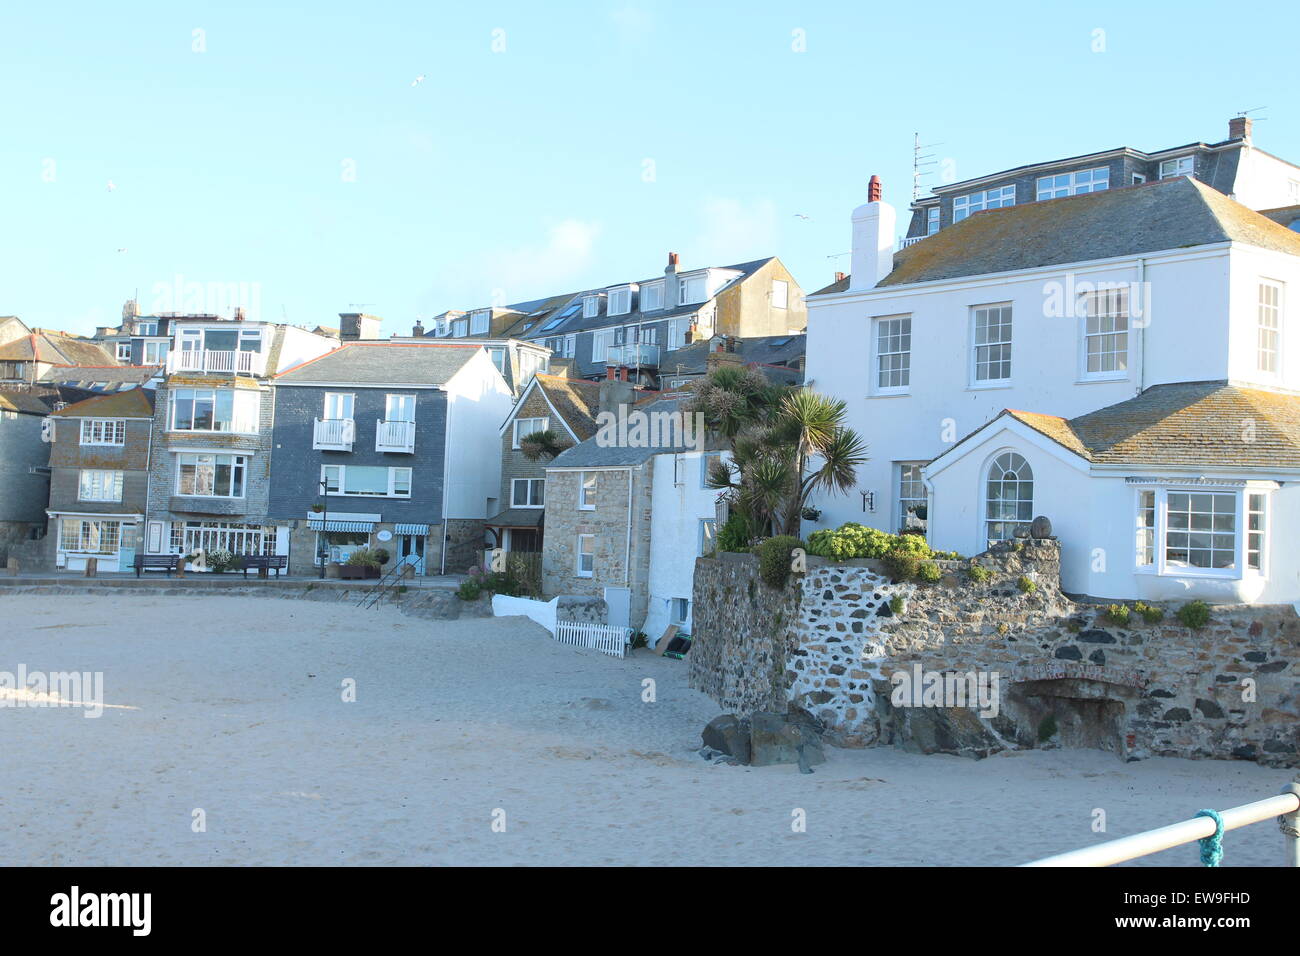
(920, 161)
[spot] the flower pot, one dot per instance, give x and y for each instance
(350, 572)
(333, 570)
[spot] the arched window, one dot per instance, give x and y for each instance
(1008, 497)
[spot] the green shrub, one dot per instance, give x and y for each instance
(929, 572)
(382, 555)
(1195, 614)
(219, 559)
(365, 557)
(1026, 584)
(774, 559)
(1150, 614)
(734, 534)
(902, 564)
(977, 573)
(897, 603)
(470, 589)
(1118, 613)
(852, 540)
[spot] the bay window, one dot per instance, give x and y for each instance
(1205, 531)
(89, 536)
(215, 410)
(211, 475)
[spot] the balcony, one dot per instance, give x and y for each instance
(333, 434)
(395, 437)
(905, 241)
(206, 360)
(633, 356)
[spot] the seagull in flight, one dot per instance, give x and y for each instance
(418, 80)
(800, 215)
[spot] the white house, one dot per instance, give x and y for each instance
(1061, 308)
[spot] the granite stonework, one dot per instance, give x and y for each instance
(833, 641)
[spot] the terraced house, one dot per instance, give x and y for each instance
(99, 477)
(388, 445)
(210, 467)
(644, 325)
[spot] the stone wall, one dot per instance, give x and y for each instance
(833, 641)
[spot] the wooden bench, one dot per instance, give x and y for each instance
(264, 563)
(165, 562)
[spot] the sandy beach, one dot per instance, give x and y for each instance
(234, 706)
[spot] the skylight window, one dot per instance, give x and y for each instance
(551, 324)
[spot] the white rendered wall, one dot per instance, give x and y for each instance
(478, 399)
(674, 537)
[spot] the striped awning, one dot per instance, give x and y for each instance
(410, 529)
(322, 524)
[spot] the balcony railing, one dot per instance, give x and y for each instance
(645, 356)
(905, 241)
(207, 360)
(334, 434)
(395, 436)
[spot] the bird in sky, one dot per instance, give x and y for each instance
(800, 215)
(111, 185)
(418, 80)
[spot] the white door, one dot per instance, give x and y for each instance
(154, 539)
(619, 602)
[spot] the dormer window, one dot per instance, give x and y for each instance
(1173, 168)
(692, 290)
(478, 322)
(146, 328)
(459, 327)
(620, 300)
(652, 297)
(590, 306)
(963, 206)
(1073, 184)
(932, 220)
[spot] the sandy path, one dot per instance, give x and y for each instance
(456, 719)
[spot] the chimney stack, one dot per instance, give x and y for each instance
(239, 313)
(357, 326)
(841, 276)
(671, 295)
(1239, 127)
(418, 330)
(873, 240)
(616, 392)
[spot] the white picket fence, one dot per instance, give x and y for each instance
(605, 638)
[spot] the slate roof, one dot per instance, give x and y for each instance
(112, 375)
(576, 399)
(1188, 424)
(1288, 216)
(1128, 221)
(592, 454)
(383, 363)
(57, 348)
(137, 403)
(768, 353)
(39, 399)
(517, 518)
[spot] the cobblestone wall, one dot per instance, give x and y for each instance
(834, 640)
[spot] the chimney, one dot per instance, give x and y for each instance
(418, 329)
(671, 295)
(873, 240)
(1239, 127)
(239, 313)
(841, 276)
(615, 392)
(357, 326)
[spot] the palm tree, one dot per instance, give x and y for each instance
(786, 443)
(541, 444)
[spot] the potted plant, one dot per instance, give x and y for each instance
(363, 563)
(318, 508)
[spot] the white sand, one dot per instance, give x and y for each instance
(456, 719)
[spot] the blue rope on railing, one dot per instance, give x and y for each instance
(1212, 846)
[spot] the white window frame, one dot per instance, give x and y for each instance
(679, 610)
(518, 433)
(976, 345)
(103, 431)
(159, 350)
(652, 297)
(619, 300)
(398, 401)
(1246, 540)
(780, 294)
(904, 479)
(996, 198)
(684, 294)
(121, 348)
(590, 306)
(394, 481)
(708, 534)
(897, 329)
(238, 397)
(588, 482)
(479, 322)
(706, 460)
(1263, 332)
(238, 464)
(1059, 185)
(81, 536)
(677, 333)
(1117, 308)
(932, 220)
(1178, 166)
(530, 485)
(985, 475)
(579, 554)
(601, 342)
(146, 328)
(99, 484)
(341, 401)
(459, 328)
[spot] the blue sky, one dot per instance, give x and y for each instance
(517, 172)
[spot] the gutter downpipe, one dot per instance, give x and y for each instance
(627, 557)
(1146, 322)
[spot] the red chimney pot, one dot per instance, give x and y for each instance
(873, 189)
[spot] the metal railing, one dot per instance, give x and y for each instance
(1285, 807)
(333, 434)
(385, 584)
(633, 355)
(394, 436)
(208, 360)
